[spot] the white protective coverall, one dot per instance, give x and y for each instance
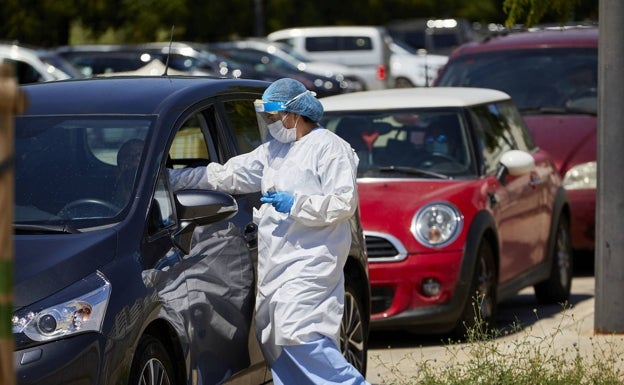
(301, 255)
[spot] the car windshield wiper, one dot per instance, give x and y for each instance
(21, 228)
(413, 170)
(556, 110)
(543, 109)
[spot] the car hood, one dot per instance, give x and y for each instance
(45, 264)
(570, 139)
(401, 198)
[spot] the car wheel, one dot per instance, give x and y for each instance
(556, 289)
(403, 83)
(480, 307)
(353, 338)
(151, 364)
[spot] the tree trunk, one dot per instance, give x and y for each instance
(12, 101)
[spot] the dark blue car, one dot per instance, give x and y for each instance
(119, 279)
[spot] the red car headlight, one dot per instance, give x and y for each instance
(437, 224)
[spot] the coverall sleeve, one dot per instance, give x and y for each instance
(337, 174)
(241, 174)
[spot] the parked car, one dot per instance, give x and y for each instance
(118, 278)
(412, 68)
(50, 57)
(108, 59)
(436, 36)
(346, 77)
(366, 49)
(460, 209)
(153, 58)
(29, 67)
(553, 80)
(264, 61)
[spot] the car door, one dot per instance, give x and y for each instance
(220, 271)
(238, 132)
(516, 203)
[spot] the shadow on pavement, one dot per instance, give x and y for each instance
(522, 309)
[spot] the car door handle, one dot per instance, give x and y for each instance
(251, 235)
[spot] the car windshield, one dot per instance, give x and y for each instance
(539, 80)
(423, 143)
(76, 172)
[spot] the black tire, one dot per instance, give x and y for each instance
(353, 331)
(556, 289)
(481, 305)
(403, 83)
(151, 365)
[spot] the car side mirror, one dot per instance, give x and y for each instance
(514, 163)
(197, 208)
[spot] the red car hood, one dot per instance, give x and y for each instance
(388, 205)
(570, 139)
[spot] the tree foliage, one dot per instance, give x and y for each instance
(534, 11)
(57, 22)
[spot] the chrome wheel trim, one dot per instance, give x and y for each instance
(154, 373)
(352, 333)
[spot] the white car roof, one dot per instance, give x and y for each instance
(322, 31)
(413, 98)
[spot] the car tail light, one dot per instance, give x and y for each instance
(381, 72)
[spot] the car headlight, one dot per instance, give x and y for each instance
(437, 224)
(76, 309)
(581, 176)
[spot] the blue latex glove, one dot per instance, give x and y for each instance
(281, 200)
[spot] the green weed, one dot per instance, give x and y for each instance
(514, 356)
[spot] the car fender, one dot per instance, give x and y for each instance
(482, 226)
(560, 207)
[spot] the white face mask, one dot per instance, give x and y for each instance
(281, 133)
(294, 128)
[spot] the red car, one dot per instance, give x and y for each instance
(551, 74)
(460, 209)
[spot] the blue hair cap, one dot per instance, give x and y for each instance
(295, 98)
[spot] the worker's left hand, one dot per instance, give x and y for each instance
(281, 200)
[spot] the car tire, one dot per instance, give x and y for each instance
(480, 307)
(353, 336)
(403, 83)
(556, 289)
(151, 364)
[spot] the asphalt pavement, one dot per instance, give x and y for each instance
(561, 329)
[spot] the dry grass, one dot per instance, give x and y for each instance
(491, 357)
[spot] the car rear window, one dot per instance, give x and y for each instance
(534, 78)
(338, 43)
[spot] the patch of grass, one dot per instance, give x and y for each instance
(516, 356)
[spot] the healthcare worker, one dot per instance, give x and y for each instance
(307, 175)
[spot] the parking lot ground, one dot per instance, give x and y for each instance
(560, 330)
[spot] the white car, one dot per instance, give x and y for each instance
(365, 49)
(409, 66)
(29, 68)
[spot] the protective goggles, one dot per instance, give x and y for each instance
(274, 107)
(269, 107)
